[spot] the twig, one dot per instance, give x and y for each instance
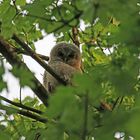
(116, 102)
(24, 113)
(64, 23)
(0, 26)
(16, 9)
(75, 33)
(39, 17)
(39, 60)
(37, 136)
(58, 9)
(20, 94)
(71, 37)
(96, 8)
(67, 22)
(14, 3)
(99, 45)
(20, 105)
(12, 57)
(46, 58)
(105, 106)
(109, 50)
(122, 98)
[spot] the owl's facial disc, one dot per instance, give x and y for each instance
(66, 55)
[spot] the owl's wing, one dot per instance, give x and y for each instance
(44, 79)
(64, 70)
(50, 87)
(47, 84)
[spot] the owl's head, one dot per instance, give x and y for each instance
(67, 53)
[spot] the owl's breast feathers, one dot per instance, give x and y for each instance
(63, 70)
(74, 64)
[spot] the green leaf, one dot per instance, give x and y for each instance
(60, 101)
(7, 13)
(20, 2)
(112, 28)
(55, 132)
(3, 84)
(24, 76)
(38, 5)
(5, 136)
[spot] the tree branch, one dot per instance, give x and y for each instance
(20, 105)
(12, 57)
(38, 59)
(115, 103)
(24, 113)
(75, 34)
(32, 116)
(19, 50)
(39, 17)
(96, 6)
(67, 22)
(15, 6)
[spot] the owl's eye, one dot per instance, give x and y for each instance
(71, 55)
(60, 54)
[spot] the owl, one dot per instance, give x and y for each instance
(65, 60)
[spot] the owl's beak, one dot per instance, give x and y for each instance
(65, 59)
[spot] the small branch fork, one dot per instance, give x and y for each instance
(74, 36)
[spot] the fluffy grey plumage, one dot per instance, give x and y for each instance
(65, 60)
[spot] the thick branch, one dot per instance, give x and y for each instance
(20, 105)
(12, 57)
(20, 51)
(24, 113)
(39, 60)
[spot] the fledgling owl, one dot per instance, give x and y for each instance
(65, 60)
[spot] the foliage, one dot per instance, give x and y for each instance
(105, 98)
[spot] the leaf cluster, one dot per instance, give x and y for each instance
(105, 98)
